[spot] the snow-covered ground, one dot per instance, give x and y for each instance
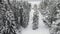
(42, 27)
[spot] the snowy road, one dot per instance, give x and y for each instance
(42, 27)
(41, 30)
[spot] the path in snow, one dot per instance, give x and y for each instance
(42, 28)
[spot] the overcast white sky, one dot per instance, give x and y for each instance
(30, 0)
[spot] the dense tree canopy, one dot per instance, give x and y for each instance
(52, 7)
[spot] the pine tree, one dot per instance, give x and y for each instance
(35, 21)
(35, 18)
(25, 14)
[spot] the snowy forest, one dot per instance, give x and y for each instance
(29, 17)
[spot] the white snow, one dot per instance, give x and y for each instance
(42, 27)
(41, 30)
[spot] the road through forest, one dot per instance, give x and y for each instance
(42, 29)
